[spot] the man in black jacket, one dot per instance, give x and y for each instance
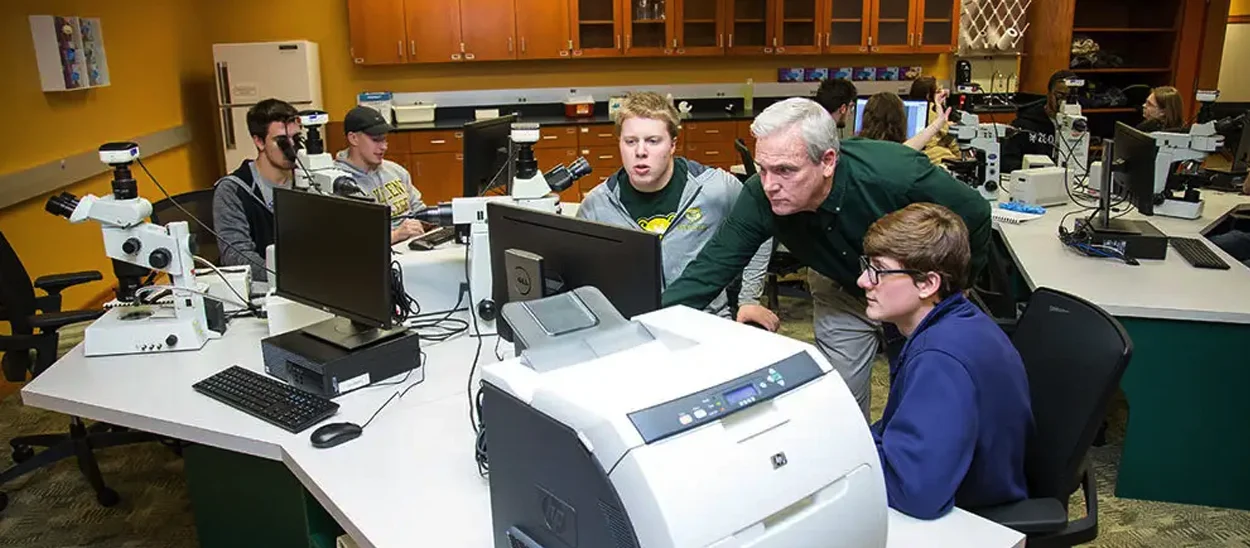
(243, 200)
(1035, 125)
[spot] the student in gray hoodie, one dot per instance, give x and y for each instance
(386, 181)
(682, 201)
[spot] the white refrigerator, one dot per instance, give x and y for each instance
(249, 73)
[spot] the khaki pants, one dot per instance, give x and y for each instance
(847, 338)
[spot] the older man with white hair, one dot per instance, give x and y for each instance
(818, 197)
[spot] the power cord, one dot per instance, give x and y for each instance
(251, 308)
(202, 224)
(398, 393)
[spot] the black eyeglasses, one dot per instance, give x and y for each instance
(874, 273)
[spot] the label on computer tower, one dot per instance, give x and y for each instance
(359, 381)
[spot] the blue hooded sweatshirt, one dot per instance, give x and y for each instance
(958, 415)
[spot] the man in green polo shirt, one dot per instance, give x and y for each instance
(818, 197)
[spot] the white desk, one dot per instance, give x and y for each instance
(1169, 289)
(408, 481)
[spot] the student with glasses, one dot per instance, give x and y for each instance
(955, 423)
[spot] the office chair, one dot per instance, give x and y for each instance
(748, 162)
(33, 322)
(200, 204)
(1074, 355)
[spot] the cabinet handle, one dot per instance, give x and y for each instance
(459, 157)
(469, 57)
(399, 48)
(712, 131)
(711, 152)
(910, 36)
(920, 40)
(458, 135)
(412, 47)
(570, 45)
(674, 42)
(550, 137)
(461, 47)
(774, 41)
(629, 38)
(720, 40)
(522, 44)
(438, 141)
(617, 42)
(731, 39)
(509, 44)
(605, 157)
(604, 135)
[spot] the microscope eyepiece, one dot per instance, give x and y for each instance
(62, 204)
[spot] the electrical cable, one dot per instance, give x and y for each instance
(150, 288)
(495, 179)
(398, 393)
(202, 224)
(250, 307)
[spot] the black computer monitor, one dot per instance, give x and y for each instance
(624, 264)
(486, 153)
(334, 254)
(1134, 166)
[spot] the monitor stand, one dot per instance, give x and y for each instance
(1114, 226)
(349, 335)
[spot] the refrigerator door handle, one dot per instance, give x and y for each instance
(223, 80)
(227, 121)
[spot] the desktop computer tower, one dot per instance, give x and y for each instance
(330, 370)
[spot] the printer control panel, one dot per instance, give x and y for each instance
(674, 417)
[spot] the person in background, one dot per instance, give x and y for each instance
(818, 196)
(243, 200)
(838, 96)
(885, 119)
(934, 140)
(958, 414)
(1036, 125)
(386, 181)
(1163, 111)
(681, 200)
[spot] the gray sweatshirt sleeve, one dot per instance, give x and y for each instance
(414, 196)
(234, 235)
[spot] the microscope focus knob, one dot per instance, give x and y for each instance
(991, 185)
(1080, 125)
(171, 341)
(160, 258)
(132, 246)
(486, 310)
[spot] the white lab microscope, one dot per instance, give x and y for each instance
(982, 153)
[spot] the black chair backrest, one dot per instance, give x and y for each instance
(1074, 354)
(748, 162)
(200, 204)
(17, 294)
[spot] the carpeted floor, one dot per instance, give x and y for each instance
(54, 508)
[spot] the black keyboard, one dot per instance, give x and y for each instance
(1197, 253)
(432, 239)
(268, 399)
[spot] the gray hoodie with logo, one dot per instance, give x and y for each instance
(706, 202)
(389, 184)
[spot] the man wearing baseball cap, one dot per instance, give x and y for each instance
(388, 182)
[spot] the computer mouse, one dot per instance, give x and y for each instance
(335, 433)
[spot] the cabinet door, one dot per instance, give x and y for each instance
(488, 28)
(751, 26)
(434, 31)
(548, 158)
(647, 28)
(700, 27)
(542, 29)
(936, 24)
(847, 26)
(893, 30)
(604, 162)
(797, 30)
(440, 175)
(596, 27)
(377, 32)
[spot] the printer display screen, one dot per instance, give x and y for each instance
(741, 394)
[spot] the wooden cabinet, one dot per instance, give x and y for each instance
(900, 26)
(438, 175)
(489, 34)
(699, 27)
(937, 26)
(750, 27)
(596, 27)
(647, 28)
(604, 161)
(434, 30)
(378, 35)
(847, 25)
(797, 27)
(542, 29)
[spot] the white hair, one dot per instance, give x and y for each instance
(816, 125)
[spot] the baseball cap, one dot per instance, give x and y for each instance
(367, 120)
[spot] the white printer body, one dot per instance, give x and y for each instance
(709, 434)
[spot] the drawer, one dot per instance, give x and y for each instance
(604, 162)
(436, 141)
(720, 155)
(557, 137)
(709, 132)
(398, 143)
(596, 135)
(744, 133)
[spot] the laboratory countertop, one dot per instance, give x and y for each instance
(457, 123)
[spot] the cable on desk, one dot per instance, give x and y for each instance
(251, 308)
(202, 224)
(398, 393)
(446, 327)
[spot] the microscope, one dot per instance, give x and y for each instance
(1188, 149)
(314, 167)
(1072, 133)
(137, 247)
(530, 188)
(981, 153)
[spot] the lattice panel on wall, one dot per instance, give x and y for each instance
(990, 27)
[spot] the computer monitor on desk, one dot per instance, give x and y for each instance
(917, 115)
(624, 264)
(334, 254)
(487, 151)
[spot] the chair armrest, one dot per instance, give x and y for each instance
(55, 320)
(55, 283)
(1029, 516)
(16, 343)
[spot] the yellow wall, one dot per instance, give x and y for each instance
(325, 22)
(1239, 7)
(149, 44)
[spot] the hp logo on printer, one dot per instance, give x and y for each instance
(780, 460)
